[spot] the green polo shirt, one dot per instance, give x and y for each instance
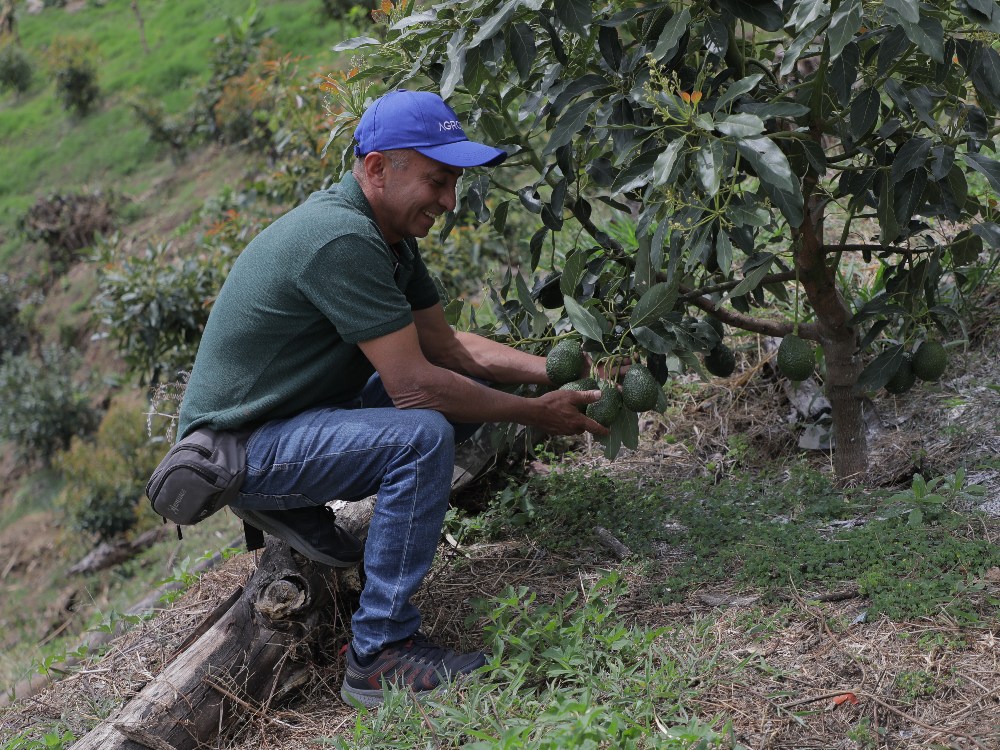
(282, 335)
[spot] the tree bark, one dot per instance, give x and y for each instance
(838, 338)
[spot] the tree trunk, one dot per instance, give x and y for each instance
(838, 338)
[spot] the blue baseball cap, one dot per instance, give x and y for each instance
(422, 121)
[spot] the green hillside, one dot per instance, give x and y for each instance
(45, 148)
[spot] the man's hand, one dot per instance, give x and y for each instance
(559, 413)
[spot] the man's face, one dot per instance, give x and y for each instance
(414, 196)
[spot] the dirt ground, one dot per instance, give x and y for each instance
(799, 675)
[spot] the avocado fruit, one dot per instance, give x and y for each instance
(606, 408)
(721, 361)
(904, 377)
(796, 359)
(640, 390)
(929, 361)
(565, 362)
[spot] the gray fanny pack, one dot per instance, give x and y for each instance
(199, 475)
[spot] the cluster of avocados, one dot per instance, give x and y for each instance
(639, 389)
(927, 363)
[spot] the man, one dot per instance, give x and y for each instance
(329, 342)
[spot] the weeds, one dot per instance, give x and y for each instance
(567, 674)
(911, 554)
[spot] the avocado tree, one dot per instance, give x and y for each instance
(760, 148)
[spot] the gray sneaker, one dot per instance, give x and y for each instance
(415, 664)
(312, 532)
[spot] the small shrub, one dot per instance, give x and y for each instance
(155, 304)
(13, 332)
(16, 70)
(74, 64)
(105, 476)
(43, 409)
(163, 129)
(67, 223)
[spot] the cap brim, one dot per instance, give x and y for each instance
(464, 154)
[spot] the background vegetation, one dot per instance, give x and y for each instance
(145, 143)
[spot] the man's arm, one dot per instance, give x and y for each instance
(413, 382)
(475, 355)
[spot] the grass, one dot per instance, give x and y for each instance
(911, 554)
(44, 148)
(570, 674)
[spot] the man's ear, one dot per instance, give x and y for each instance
(375, 165)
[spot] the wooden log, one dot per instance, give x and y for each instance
(109, 554)
(258, 649)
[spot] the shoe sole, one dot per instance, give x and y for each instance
(358, 698)
(288, 534)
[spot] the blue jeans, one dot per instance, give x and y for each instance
(352, 451)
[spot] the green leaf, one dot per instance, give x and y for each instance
(864, 113)
(770, 163)
(499, 219)
(798, 45)
(775, 109)
(573, 270)
(576, 14)
(538, 320)
(653, 305)
(908, 10)
(653, 341)
(990, 232)
(807, 11)
(891, 48)
(928, 35)
(908, 195)
(911, 155)
(753, 278)
(984, 12)
(569, 124)
(535, 244)
(453, 311)
(493, 24)
(355, 43)
(738, 89)
(881, 369)
(985, 74)
(663, 167)
(762, 13)
(942, 159)
(610, 46)
(966, 247)
(708, 166)
(740, 126)
(584, 321)
(724, 252)
(670, 37)
(522, 49)
(454, 67)
(988, 168)
(844, 24)
(886, 211)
